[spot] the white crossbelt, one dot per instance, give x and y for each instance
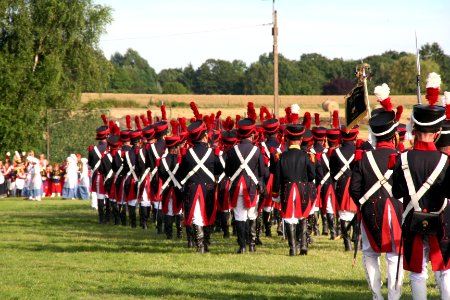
(382, 179)
(244, 164)
(416, 196)
(200, 165)
(97, 165)
(266, 150)
(147, 170)
(155, 153)
(171, 175)
(110, 173)
(121, 166)
(222, 162)
(327, 163)
(346, 163)
(131, 167)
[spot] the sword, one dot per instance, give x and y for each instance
(418, 70)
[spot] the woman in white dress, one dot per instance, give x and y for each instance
(71, 181)
(35, 187)
(83, 186)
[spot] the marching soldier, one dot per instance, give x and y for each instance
(171, 189)
(94, 159)
(292, 185)
(246, 170)
(421, 178)
(340, 171)
(371, 190)
(197, 176)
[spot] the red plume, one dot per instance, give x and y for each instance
(157, 119)
(163, 113)
(206, 120)
(144, 121)
(399, 112)
(105, 122)
(194, 108)
(447, 111)
(317, 119)
(111, 126)
(149, 117)
(138, 124)
(251, 113)
(335, 119)
(192, 120)
(230, 124)
(218, 114)
(116, 130)
(287, 118)
(182, 123)
(261, 114)
(238, 117)
(128, 120)
(174, 125)
(386, 103)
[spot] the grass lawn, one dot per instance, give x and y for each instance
(55, 249)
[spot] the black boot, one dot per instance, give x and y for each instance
(168, 226)
(145, 215)
(309, 229)
(298, 234)
(199, 238)
(279, 222)
(115, 212)
(258, 230)
(217, 222)
(132, 215)
(101, 211)
(141, 216)
(316, 223)
(241, 236)
(303, 237)
(179, 226)
(292, 236)
(345, 235)
(330, 219)
(107, 211)
(123, 214)
(225, 216)
(233, 225)
(207, 230)
(267, 223)
(252, 224)
(159, 221)
(190, 236)
(338, 227)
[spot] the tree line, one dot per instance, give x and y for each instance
(311, 74)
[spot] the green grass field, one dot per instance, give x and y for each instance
(55, 249)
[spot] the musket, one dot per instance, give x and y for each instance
(418, 70)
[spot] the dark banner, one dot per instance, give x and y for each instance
(355, 106)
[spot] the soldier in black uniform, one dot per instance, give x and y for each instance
(197, 176)
(340, 170)
(171, 189)
(381, 213)
(293, 186)
(422, 179)
(246, 170)
(94, 159)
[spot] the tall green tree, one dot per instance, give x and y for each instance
(435, 53)
(48, 54)
(133, 74)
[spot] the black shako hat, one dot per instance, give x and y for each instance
(271, 126)
(197, 130)
(113, 142)
(383, 125)
(172, 141)
(351, 135)
(444, 138)
(245, 128)
(228, 137)
(401, 129)
(319, 133)
(294, 132)
(428, 118)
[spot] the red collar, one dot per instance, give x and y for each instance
(384, 144)
(424, 146)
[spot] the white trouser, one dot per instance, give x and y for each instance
(268, 209)
(132, 202)
(346, 215)
(94, 200)
(330, 209)
(170, 208)
(145, 203)
(419, 280)
(292, 219)
(157, 204)
(242, 213)
(371, 263)
(197, 219)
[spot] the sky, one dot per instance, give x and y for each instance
(174, 33)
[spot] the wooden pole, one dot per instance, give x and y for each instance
(276, 102)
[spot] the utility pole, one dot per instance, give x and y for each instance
(276, 102)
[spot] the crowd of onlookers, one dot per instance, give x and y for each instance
(31, 177)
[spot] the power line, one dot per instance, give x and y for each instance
(187, 33)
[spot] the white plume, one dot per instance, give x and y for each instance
(382, 92)
(295, 108)
(446, 98)
(434, 80)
